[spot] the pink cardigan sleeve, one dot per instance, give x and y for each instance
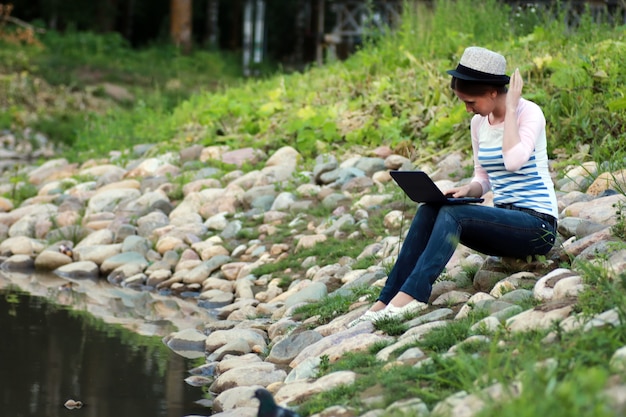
(531, 123)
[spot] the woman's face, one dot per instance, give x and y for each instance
(482, 104)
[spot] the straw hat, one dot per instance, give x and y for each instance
(481, 65)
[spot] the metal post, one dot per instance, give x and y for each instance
(212, 23)
(247, 36)
(259, 32)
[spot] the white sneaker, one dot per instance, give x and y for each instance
(367, 316)
(414, 306)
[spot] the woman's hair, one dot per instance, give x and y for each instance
(473, 88)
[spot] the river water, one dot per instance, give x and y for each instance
(50, 354)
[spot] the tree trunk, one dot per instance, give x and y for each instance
(180, 24)
(106, 14)
(319, 50)
(128, 19)
(235, 37)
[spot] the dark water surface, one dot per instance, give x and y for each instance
(49, 354)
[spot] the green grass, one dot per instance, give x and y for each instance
(573, 385)
(440, 339)
(21, 188)
(326, 253)
(579, 394)
(333, 306)
(80, 58)
(605, 290)
(507, 358)
(391, 326)
(55, 87)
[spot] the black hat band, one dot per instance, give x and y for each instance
(480, 75)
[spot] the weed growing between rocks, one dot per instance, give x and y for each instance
(21, 189)
(439, 340)
(605, 292)
(391, 326)
(580, 394)
(619, 228)
(334, 305)
(328, 253)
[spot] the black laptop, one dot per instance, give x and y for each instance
(421, 189)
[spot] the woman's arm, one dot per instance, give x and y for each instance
(523, 124)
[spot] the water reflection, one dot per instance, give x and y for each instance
(49, 354)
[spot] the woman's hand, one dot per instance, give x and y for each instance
(468, 190)
(515, 90)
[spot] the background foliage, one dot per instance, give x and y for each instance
(394, 91)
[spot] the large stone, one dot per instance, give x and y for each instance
(99, 237)
(201, 272)
(5, 205)
(77, 270)
(263, 374)
(111, 199)
(97, 253)
(538, 319)
(234, 347)
(311, 293)
(18, 263)
(121, 259)
(606, 181)
(288, 348)
(219, 338)
(51, 170)
(188, 343)
(49, 260)
(355, 339)
(299, 391)
(235, 398)
(21, 245)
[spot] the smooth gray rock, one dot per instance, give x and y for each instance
(288, 348)
(18, 263)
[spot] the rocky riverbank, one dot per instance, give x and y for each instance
(194, 226)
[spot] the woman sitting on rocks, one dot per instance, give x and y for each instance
(510, 158)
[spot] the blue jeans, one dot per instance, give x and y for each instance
(436, 230)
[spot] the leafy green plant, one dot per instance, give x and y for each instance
(391, 326)
(21, 188)
(619, 228)
(324, 366)
(364, 262)
(178, 182)
(73, 233)
(470, 269)
(247, 233)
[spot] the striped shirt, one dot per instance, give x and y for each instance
(521, 175)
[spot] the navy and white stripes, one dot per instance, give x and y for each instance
(530, 186)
